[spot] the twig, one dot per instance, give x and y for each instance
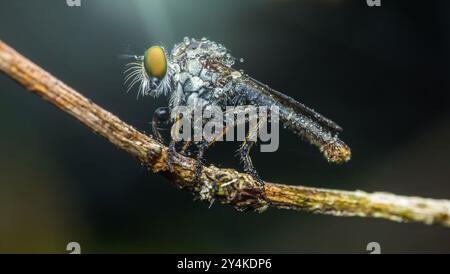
(224, 185)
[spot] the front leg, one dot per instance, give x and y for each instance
(161, 117)
(171, 153)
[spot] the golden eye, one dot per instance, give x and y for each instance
(155, 62)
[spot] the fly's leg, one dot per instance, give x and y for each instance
(244, 153)
(185, 148)
(161, 116)
(155, 130)
(171, 155)
(200, 161)
(202, 146)
(201, 151)
(218, 137)
(171, 152)
(244, 150)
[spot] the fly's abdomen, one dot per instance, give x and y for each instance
(298, 118)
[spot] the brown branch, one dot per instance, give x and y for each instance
(224, 185)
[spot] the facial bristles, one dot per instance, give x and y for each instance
(136, 74)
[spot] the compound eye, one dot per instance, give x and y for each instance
(155, 62)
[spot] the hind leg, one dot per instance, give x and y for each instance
(202, 147)
(244, 154)
(244, 151)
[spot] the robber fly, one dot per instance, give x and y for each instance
(200, 71)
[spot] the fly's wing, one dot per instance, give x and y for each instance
(323, 134)
(254, 88)
(293, 104)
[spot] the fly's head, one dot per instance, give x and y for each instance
(153, 72)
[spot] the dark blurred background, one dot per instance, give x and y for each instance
(382, 73)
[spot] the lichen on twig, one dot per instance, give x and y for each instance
(217, 184)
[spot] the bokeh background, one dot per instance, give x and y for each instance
(382, 73)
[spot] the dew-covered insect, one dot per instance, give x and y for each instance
(200, 72)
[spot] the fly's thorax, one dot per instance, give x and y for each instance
(201, 49)
(196, 101)
(194, 58)
(198, 75)
(191, 88)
